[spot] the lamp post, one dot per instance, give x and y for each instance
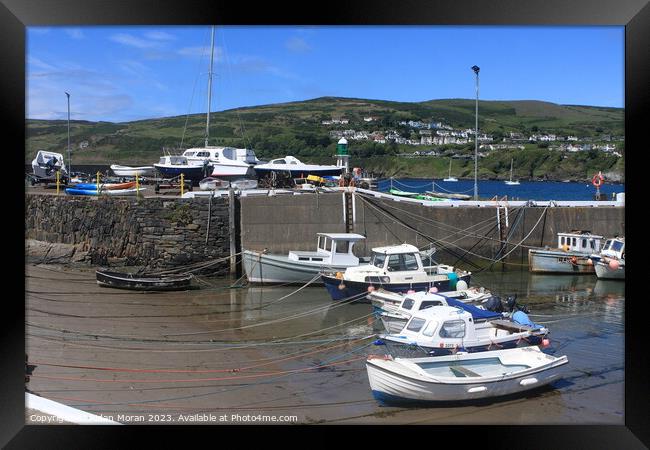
(69, 158)
(476, 70)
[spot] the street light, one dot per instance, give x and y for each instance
(69, 158)
(476, 70)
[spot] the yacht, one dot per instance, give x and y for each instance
(450, 178)
(511, 182)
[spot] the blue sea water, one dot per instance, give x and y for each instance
(527, 190)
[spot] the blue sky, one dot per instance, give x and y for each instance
(124, 73)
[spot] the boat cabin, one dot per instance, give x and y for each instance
(220, 155)
(614, 248)
(331, 249)
(579, 241)
(443, 323)
(174, 160)
(47, 163)
(406, 258)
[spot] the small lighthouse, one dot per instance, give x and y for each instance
(342, 156)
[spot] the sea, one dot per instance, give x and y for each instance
(487, 189)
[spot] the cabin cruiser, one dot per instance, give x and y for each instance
(570, 256)
(172, 166)
(46, 164)
(227, 162)
(610, 262)
(295, 168)
(396, 268)
(442, 330)
(333, 252)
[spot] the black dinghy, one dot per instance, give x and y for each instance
(143, 282)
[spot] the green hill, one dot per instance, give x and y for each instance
(295, 128)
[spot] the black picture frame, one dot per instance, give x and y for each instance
(15, 15)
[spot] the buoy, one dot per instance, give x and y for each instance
(433, 290)
(339, 275)
(461, 285)
(341, 286)
(410, 291)
(546, 342)
(590, 262)
(371, 288)
(613, 264)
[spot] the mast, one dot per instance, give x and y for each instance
(511, 161)
(207, 122)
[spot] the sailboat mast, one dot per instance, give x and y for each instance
(207, 123)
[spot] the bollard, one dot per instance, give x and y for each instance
(137, 186)
(58, 182)
(182, 183)
(98, 175)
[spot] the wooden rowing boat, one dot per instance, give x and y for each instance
(143, 282)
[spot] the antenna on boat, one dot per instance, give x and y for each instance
(207, 123)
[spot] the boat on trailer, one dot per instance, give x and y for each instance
(463, 376)
(138, 282)
(333, 252)
(571, 255)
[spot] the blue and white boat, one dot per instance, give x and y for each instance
(396, 268)
(172, 166)
(444, 330)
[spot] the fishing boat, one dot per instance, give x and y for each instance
(511, 182)
(126, 171)
(396, 268)
(463, 376)
(172, 166)
(441, 330)
(610, 262)
(333, 252)
(450, 178)
(570, 257)
(137, 282)
(295, 168)
(394, 315)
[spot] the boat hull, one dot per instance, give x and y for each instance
(389, 388)
(133, 282)
(125, 171)
(605, 272)
(299, 172)
(550, 261)
(191, 173)
(497, 344)
(269, 269)
(345, 289)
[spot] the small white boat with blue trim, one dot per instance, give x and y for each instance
(442, 330)
(333, 252)
(463, 376)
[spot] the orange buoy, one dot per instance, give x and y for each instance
(614, 264)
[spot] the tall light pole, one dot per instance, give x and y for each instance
(476, 70)
(69, 158)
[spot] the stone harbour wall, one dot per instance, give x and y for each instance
(157, 232)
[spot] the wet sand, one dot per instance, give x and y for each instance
(260, 355)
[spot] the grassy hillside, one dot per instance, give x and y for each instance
(295, 128)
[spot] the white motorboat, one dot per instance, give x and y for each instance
(610, 262)
(441, 330)
(46, 164)
(512, 182)
(333, 251)
(396, 268)
(570, 256)
(224, 161)
(463, 376)
(394, 317)
(295, 168)
(382, 299)
(127, 171)
(450, 178)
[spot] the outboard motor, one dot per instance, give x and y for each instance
(494, 304)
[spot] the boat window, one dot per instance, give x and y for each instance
(415, 324)
(607, 245)
(593, 244)
(378, 260)
(574, 242)
(189, 153)
(430, 303)
(303, 258)
(162, 160)
(410, 263)
(317, 259)
(203, 154)
(453, 329)
(408, 303)
(584, 243)
(617, 246)
(342, 246)
(394, 263)
(561, 241)
(279, 161)
(430, 328)
(230, 153)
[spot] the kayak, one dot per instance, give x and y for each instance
(105, 186)
(75, 191)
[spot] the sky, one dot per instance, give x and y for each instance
(125, 73)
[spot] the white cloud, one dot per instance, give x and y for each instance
(160, 36)
(133, 41)
(75, 33)
(297, 45)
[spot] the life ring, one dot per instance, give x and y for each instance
(597, 180)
